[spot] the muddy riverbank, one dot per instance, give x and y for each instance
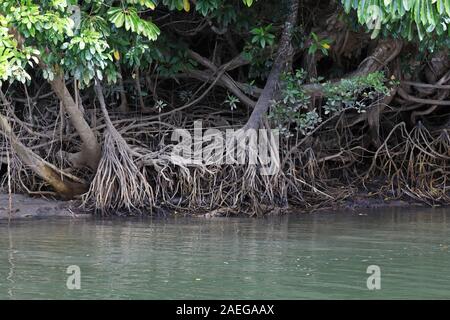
(24, 206)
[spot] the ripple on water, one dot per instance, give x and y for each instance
(322, 256)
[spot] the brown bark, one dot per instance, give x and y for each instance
(140, 97)
(384, 53)
(91, 152)
(123, 96)
(438, 66)
(65, 185)
(225, 81)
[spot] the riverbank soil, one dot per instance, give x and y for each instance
(23, 206)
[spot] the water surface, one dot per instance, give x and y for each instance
(305, 256)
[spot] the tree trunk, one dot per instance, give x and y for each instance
(137, 80)
(91, 152)
(65, 185)
(123, 95)
(384, 53)
(283, 57)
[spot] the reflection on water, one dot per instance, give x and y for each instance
(11, 266)
(304, 256)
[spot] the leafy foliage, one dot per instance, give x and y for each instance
(263, 36)
(357, 93)
(407, 18)
(319, 44)
(293, 108)
(86, 56)
(130, 19)
(82, 39)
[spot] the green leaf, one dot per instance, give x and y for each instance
(447, 6)
(408, 4)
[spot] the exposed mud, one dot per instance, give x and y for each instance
(23, 206)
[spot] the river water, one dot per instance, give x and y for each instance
(304, 256)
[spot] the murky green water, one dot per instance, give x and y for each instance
(306, 256)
